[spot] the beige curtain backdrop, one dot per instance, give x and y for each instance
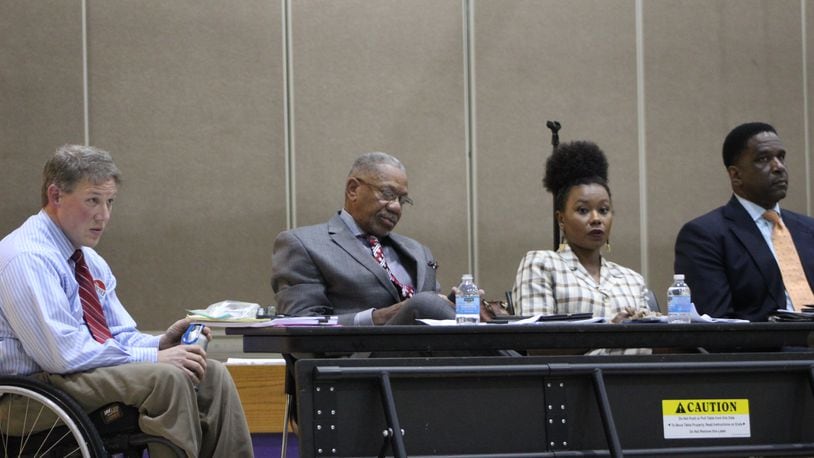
(234, 120)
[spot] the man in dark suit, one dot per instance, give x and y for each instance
(727, 255)
(332, 269)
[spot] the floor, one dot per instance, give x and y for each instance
(269, 445)
(223, 347)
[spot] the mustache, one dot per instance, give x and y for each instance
(389, 216)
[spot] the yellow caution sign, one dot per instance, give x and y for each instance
(705, 418)
(705, 406)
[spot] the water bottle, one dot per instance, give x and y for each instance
(679, 303)
(467, 302)
(194, 336)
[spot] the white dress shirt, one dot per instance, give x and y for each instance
(41, 322)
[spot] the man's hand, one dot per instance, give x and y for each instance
(189, 358)
(383, 315)
(173, 335)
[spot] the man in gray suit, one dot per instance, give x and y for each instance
(354, 266)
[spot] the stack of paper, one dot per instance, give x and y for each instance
(287, 321)
(304, 321)
(227, 322)
(532, 320)
(790, 315)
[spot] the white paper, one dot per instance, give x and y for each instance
(255, 362)
(288, 321)
(696, 318)
(304, 321)
(430, 322)
(525, 321)
(533, 320)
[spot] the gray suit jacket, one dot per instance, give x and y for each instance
(324, 270)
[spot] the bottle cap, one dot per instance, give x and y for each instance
(466, 277)
(678, 277)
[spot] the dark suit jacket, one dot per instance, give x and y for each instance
(324, 270)
(729, 267)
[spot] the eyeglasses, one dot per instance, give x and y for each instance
(387, 194)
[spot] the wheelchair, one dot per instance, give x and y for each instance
(54, 425)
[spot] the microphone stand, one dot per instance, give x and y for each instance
(554, 126)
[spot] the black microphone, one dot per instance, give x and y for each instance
(555, 127)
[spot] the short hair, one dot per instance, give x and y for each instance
(71, 164)
(573, 164)
(368, 163)
(735, 142)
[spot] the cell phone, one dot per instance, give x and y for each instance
(194, 336)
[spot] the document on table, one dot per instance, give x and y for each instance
(530, 321)
(255, 361)
(791, 315)
(287, 321)
(542, 320)
(696, 318)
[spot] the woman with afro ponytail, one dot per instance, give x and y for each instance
(577, 278)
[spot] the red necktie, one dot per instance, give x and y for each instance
(405, 291)
(91, 308)
(794, 277)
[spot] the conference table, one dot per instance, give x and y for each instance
(709, 389)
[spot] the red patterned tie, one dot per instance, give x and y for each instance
(91, 308)
(405, 291)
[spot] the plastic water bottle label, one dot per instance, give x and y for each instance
(194, 335)
(679, 304)
(467, 305)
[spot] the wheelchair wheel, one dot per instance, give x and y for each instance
(47, 423)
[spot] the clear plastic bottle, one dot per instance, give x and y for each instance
(679, 302)
(194, 336)
(467, 302)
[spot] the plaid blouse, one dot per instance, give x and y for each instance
(554, 282)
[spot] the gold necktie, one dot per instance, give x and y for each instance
(794, 278)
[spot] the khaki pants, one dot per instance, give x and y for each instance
(206, 423)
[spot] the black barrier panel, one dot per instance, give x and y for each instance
(549, 406)
(432, 413)
(780, 405)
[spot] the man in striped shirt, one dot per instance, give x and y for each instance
(48, 332)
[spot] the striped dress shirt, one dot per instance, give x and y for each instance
(555, 282)
(41, 322)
